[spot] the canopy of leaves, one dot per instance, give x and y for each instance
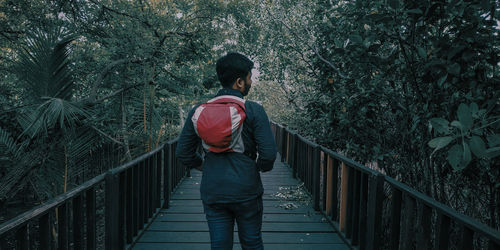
(409, 86)
(82, 77)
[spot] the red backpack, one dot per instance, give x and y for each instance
(219, 123)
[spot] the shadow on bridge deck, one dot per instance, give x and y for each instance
(183, 225)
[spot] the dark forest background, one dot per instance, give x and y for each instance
(410, 88)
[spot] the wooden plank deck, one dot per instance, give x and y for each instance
(183, 225)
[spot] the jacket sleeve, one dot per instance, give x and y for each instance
(266, 146)
(188, 144)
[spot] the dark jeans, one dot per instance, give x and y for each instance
(248, 217)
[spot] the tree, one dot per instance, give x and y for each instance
(377, 80)
(53, 124)
(130, 69)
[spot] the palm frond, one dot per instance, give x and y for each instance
(43, 64)
(63, 113)
(11, 183)
(82, 143)
(47, 181)
(79, 149)
(32, 123)
(53, 113)
(8, 144)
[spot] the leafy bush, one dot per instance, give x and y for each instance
(410, 85)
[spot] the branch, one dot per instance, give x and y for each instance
(104, 7)
(108, 136)
(16, 108)
(330, 64)
(160, 45)
(410, 64)
(8, 38)
(326, 61)
(104, 72)
(314, 49)
(123, 130)
(117, 92)
(145, 22)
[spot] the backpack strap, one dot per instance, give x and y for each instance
(229, 99)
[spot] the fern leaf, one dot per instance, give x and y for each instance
(10, 145)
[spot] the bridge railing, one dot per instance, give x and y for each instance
(131, 193)
(374, 211)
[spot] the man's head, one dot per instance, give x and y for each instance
(234, 71)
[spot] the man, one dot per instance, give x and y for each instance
(231, 187)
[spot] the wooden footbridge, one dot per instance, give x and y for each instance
(314, 199)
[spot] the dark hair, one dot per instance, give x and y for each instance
(231, 67)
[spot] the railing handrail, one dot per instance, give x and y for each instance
(169, 170)
(136, 160)
(444, 209)
(56, 201)
(40, 210)
(464, 220)
(330, 152)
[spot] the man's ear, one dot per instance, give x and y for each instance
(239, 83)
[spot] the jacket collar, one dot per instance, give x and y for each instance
(227, 91)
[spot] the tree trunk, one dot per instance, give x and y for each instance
(181, 117)
(124, 130)
(492, 205)
(150, 143)
(497, 204)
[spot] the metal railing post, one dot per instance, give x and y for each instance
(316, 176)
(295, 155)
(111, 207)
(283, 144)
(375, 199)
(167, 174)
(90, 198)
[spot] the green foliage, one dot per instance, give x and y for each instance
(50, 123)
(410, 85)
(9, 146)
(53, 113)
(82, 75)
(472, 127)
(440, 142)
(274, 100)
(43, 64)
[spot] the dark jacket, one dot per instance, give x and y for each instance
(232, 177)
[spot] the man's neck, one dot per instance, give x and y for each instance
(230, 91)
